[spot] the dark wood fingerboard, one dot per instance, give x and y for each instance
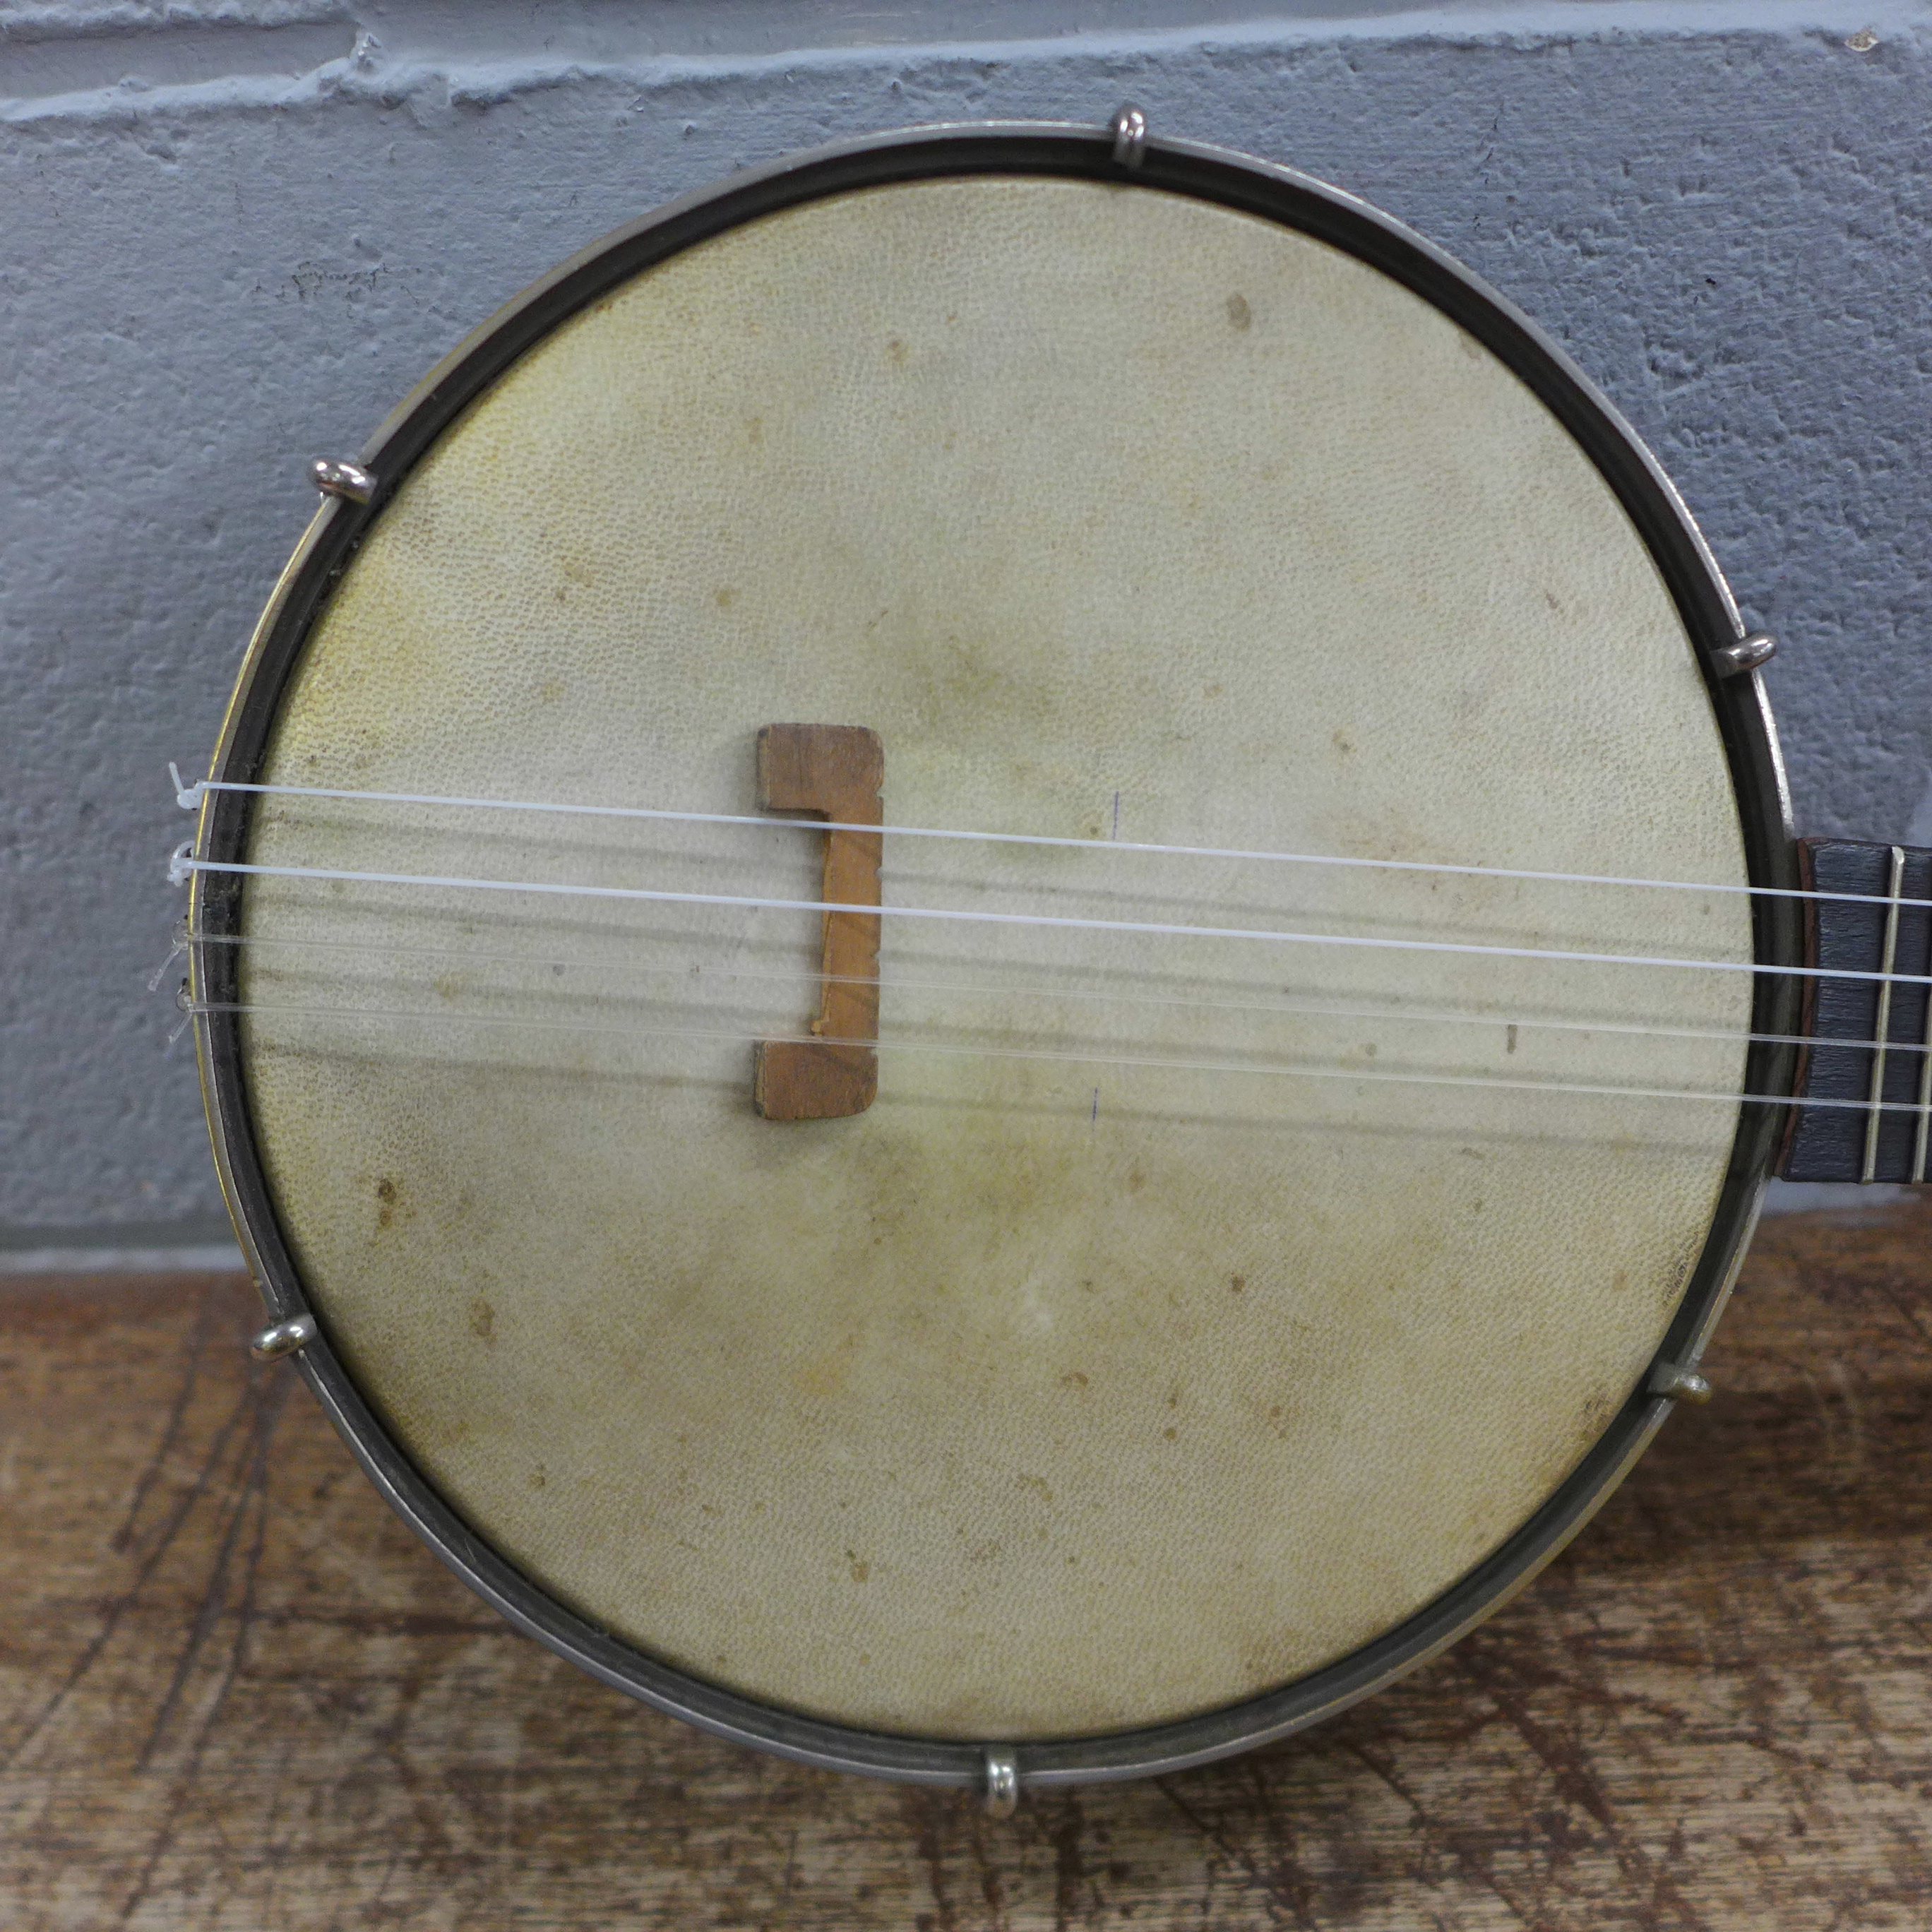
(1862, 1141)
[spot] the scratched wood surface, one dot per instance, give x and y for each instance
(234, 1693)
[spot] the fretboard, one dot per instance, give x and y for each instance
(1882, 1070)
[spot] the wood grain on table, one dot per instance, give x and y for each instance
(235, 1694)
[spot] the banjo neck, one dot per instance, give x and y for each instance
(1884, 1067)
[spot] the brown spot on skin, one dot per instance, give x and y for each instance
(725, 597)
(1342, 742)
(827, 1375)
(386, 1191)
(898, 352)
(1237, 1283)
(539, 1476)
(860, 1571)
(483, 1320)
(1136, 1180)
(1171, 1433)
(1239, 312)
(754, 431)
(1073, 1379)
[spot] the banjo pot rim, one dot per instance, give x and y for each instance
(1697, 588)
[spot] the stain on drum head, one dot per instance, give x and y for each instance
(1047, 1396)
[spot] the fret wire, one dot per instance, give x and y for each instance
(1919, 1139)
(1881, 1030)
(1924, 1102)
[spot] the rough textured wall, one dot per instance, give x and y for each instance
(231, 235)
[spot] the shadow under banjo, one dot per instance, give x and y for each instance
(995, 950)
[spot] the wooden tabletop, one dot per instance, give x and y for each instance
(235, 1693)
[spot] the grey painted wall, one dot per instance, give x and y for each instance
(231, 235)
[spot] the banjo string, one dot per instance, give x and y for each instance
(897, 983)
(202, 1009)
(189, 797)
(182, 866)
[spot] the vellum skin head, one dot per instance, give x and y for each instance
(1057, 1392)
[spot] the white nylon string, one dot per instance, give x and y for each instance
(190, 796)
(1069, 1055)
(1150, 927)
(896, 983)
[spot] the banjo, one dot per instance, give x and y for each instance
(995, 950)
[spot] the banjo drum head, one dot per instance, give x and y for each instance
(1201, 1323)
